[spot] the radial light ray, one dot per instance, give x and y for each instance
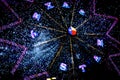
(88, 45)
(50, 28)
(60, 11)
(47, 41)
(85, 21)
(53, 19)
(93, 34)
(73, 12)
(54, 28)
(57, 54)
(72, 58)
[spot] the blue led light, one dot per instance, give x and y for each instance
(65, 5)
(82, 12)
(36, 16)
(63, 66)
(48, 5)
(97, 58)
(100, 43)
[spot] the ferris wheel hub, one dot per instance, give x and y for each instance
(72, 31)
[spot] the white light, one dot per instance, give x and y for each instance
(53, 78)
(48, 79)
(78, 56)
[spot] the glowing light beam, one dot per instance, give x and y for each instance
(53, 19)
(61, 13)
(57, 54)
(89, 45)
(72, 58)
(47, 41)
(50, 28)
(86, 20)
(93, 34)
(73, 12)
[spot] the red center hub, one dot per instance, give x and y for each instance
(72, 31)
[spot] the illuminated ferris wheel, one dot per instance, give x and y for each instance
(64, 38)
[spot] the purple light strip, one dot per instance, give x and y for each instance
(22, 55)
(35, 75)
(13, 23)
(11, 43)
(30, 1)
(7, 5)
(18, 61)
(107, 33)
(110, 17)
(94, 7)
(117, 47)
(115, 66)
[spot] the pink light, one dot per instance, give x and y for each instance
(97, 59)
(33, 34)
(36, 16)
(35, 75)
(48, 5)
(65, 5)
(82, 67)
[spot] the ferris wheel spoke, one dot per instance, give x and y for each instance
(53, 19)
(47, 41)
(73, 12)
(93, 34)
(72, 58)
(49, 28)
(85, 21)
(58, 7)
(88, 45)
(56, 56)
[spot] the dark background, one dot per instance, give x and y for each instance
(104, 71)
(108, 7)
